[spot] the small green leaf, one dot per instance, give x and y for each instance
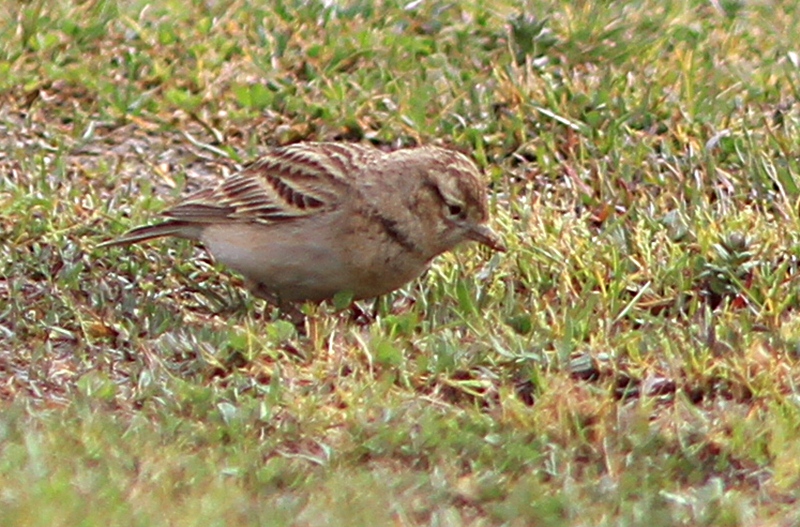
(281, 330)
(184, 99)
(342, 300)
(465, 300)
(260, 97)
(387, 354)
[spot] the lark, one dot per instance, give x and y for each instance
(308, 221)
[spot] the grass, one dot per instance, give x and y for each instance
(633, 358)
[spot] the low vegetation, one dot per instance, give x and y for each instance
(632, 359)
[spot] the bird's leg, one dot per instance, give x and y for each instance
(361, 316)
(259, 291)
(286, 310)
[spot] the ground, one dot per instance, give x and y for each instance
(632, 359)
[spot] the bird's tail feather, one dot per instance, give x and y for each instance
(148, 232)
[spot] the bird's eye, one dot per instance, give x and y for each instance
(455, 210)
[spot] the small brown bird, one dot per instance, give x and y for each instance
(311, 220)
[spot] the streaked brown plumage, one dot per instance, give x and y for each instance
(310, 220)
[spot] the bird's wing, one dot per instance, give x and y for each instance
(290, 182)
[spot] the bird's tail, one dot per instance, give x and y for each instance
(148, 232)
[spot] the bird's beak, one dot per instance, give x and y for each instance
(485, 235)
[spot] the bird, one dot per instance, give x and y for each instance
(311, 220)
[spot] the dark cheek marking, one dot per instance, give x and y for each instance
(390, 227)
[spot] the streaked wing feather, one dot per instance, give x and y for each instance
(288, 183)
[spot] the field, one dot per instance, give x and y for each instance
(633, 359)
